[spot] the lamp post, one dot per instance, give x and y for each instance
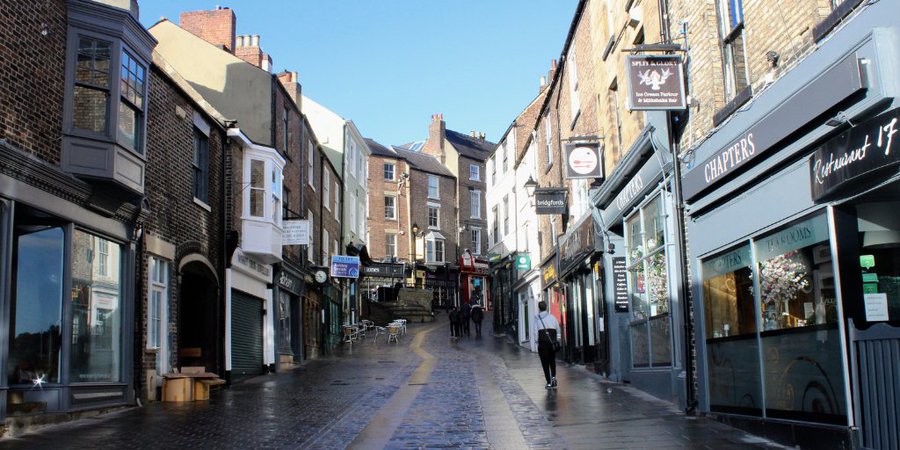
(415, 235)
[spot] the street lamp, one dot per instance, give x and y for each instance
(415, 235)
(530, 186)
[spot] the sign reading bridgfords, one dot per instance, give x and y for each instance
(550, 201)
(854, 153)
(655, 82)
(583, 160)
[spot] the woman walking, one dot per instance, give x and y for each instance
(546, 327)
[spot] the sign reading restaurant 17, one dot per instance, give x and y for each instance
(854, 153)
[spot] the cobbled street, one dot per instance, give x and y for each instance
(425, 392)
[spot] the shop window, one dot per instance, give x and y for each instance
(284, 322)
(96, 311)
(157, 311)
(648, 285)
(35, 335)
(775, 305)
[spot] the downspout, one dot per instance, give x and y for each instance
(689, 380)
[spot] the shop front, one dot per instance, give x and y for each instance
(380, 283)
(443, 281)
(502, 299)
(289, 286)
(554, 294)
(797, 292)
(579, 249)
(637, 210)
(66, 295)
(249, 344)
(527, 289)
(474, 279)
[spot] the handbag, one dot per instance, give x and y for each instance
(557, 346)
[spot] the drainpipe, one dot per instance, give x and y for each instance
(690, 392)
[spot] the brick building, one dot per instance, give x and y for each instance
(72, 178)
(412, 198)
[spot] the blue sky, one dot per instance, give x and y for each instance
(388, 65)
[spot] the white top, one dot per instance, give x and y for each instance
(544, 320)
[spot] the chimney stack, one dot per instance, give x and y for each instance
(437, 133)
(481, 135)
(472, 134)
(216, 26)
(248, 49)
(291, 84)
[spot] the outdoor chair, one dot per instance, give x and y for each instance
(378, 331)
(349, 333)
(393, 333)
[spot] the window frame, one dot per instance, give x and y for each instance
(574, 96)
(390, 245)
(474, 172)
(732, 46)
(476, 241)
(311, 164)
(437, 216)
(393, 171)
(475, 204)
(326, 189)
(393, 207)
(436, 187)
(200, 166)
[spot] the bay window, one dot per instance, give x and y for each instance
(108, 54)
(434, 248)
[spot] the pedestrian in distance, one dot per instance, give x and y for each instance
(477, 317)
(546, 328)
(466, 316)
(455, 319)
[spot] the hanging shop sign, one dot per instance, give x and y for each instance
(620, 283)
(820, 95)
(383, 270)
(523, 261)
(655, 83)
(344, 266)
(851, 155)
(583, 160)
(550, 201)
(295, 232)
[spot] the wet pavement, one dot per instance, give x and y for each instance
(425, 392)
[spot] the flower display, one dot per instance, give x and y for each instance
(781, 280)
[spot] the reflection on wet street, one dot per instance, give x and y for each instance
(424, 392)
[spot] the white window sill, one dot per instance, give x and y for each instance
(202, 204)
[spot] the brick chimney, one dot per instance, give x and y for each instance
(292, 85)
(217, 26)
(249, 50)
(437, 133)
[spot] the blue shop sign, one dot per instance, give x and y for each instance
(344, 266)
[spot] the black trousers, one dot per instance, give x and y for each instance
(465, 326)
(548, 360)
(477, 327)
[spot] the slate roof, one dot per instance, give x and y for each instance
(380, 150)
(418, 161)
(423, 162)
(471, 147)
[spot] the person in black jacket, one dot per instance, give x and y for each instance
(466, 315)
(477, 317)
(455, 321)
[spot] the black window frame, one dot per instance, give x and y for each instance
(200, 166)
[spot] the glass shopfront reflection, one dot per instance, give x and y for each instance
(96, 309)
(35, 335)
(771, 302)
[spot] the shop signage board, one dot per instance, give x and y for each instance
(548, 274)
(295, 232)
(620, 283)
(577, 244)
(344, 266)
(550, 201)
(290, 283)
(850, 156)
(821, 94)
(640, 183)
(655, 82)
(523, 261)
(383, 270)
(583, 160)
